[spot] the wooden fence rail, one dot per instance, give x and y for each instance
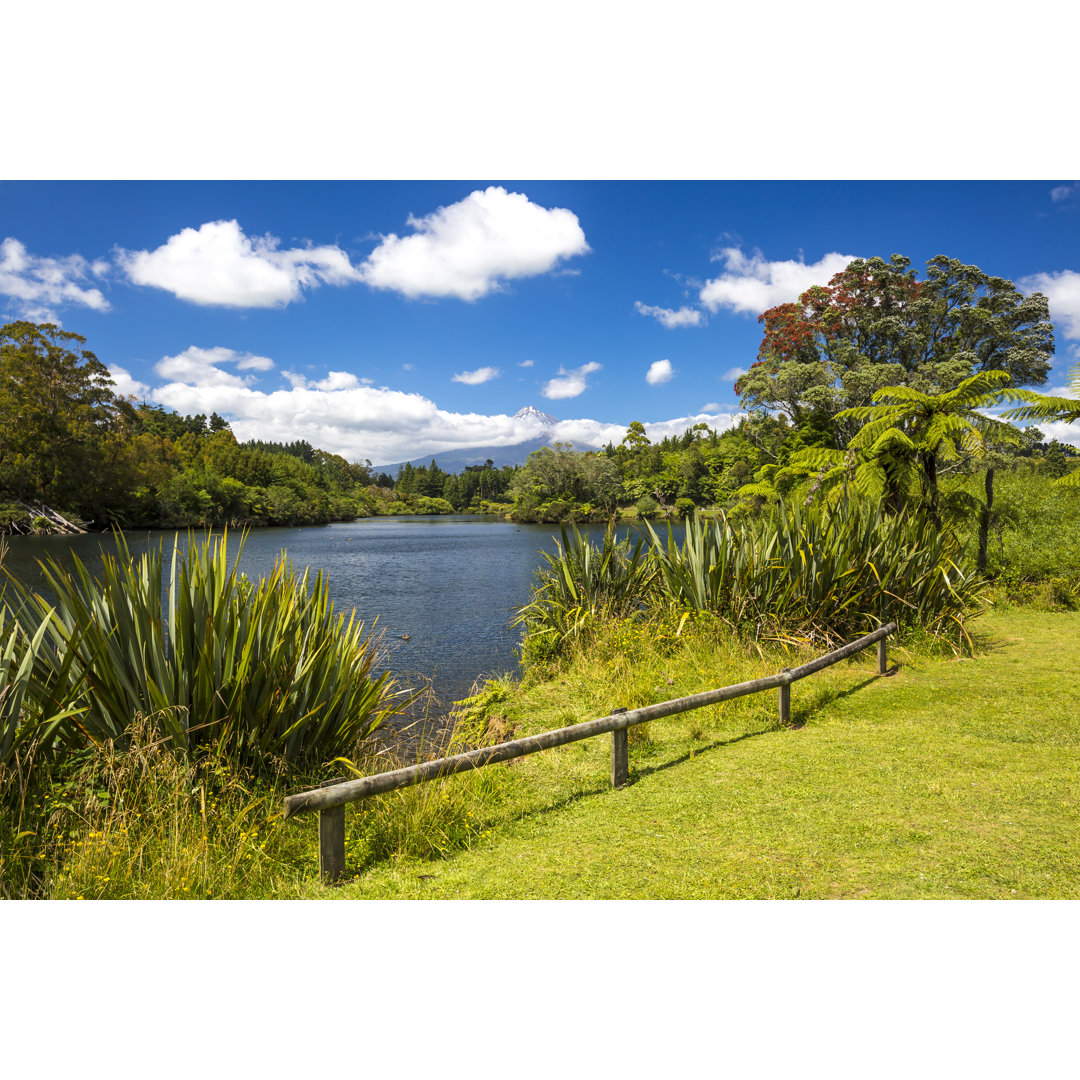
(330, 800)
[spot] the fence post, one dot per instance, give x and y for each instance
(620, 755)
(785, 702)
(882, 658)
(332, 843)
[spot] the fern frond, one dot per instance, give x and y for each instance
(896, 395)
(1041, 407)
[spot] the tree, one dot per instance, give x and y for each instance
(56, 407)
(1045, 407)
(934, 427)
(876, 325)
(885, 473)
(1054, 462)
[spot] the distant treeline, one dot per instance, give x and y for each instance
(943, 348)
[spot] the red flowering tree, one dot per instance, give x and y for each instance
(875, 324)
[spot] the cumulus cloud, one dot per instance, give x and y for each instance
(525, 363)
(338, 380)
(217, 265)
(470, 248)
(335, 380)
(752, 284)
(359, 422)
(1063, 432)
(569, 384)
(670, 319)
(40, 284)
(475, 378)
(598, 433)
(343, 416)
(126, 385)
(204, 367)
(255, 363)
(660, 371)
(1062, 290)
(1064, 191)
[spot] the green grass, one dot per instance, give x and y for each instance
(951, 778)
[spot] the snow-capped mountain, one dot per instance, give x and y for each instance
(530, 413)
(454, 461)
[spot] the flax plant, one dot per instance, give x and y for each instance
(823, 572)
(29, 712)
(257, 670)
(583, 585)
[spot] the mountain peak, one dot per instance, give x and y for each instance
(529, 413)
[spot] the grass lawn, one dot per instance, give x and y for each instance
(950, 778)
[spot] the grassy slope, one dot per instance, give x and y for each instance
(951, 778)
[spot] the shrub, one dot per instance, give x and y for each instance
(259, 671)
(424, 504)
(829, 572)
(583, 585)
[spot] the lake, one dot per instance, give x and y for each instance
(450, 583)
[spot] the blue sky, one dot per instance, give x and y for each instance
(386, 320)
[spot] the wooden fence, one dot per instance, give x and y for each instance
(330, 800)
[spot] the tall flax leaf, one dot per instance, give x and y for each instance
(583, 583)
(256, 669)
(833, 570)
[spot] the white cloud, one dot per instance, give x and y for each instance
(732, 374)
(569, 384)
(335, 380)
(1062, 290)
(752, 284)
(1063, 432)
(711, 407)
(255, 363)
(469, 248)
(203, 367)
(40, 283)
(406, 367)
(597, 433)
(1064, 191)
(660, 371)
(1058, 391)
(125, 384)
(475, 378)
(362, 422)
(670, 319)
(525, 363)
(217, 265)
(357, 422)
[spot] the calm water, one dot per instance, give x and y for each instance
(450, 583)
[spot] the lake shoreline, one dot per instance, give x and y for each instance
(451, 583)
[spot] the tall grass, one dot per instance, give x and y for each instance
(28, 708)
(584, 584)
(259, 671)
(1034, 548)
(823, 574)
(829, 572)
(153, 720)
